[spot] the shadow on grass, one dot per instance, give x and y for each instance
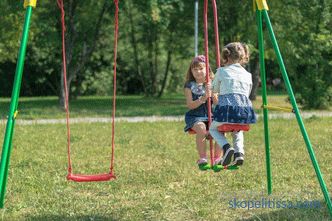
(71, 218)
(285, 214)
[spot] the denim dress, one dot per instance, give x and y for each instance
(234, 108)
(199, 114)
(233, 83)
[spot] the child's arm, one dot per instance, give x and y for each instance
(250, 85)
(216, 82)
(215, 98)
(189, 100)
(209, 92)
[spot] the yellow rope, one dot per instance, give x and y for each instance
(285, 109)
(262, 4)
(31, 3)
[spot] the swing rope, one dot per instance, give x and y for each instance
(216, 32)
(206, 46)
(63, 28)
(97, 177)
(225, 127)
(116, 33)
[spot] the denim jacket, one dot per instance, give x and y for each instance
(232, 79)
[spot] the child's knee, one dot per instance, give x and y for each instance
(200, 128)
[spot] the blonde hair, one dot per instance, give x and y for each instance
(196, 63)
(237, 52)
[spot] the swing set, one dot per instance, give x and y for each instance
(261, 9)
(7, 144)
(71, 175)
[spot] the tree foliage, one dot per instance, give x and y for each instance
(156, 44)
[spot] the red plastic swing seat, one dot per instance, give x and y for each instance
(233, 127)
(228, 128)
(90, 178)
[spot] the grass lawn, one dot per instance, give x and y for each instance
(93, 106)
(157, 178)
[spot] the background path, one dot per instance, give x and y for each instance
(305, 115)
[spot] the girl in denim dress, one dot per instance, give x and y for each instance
(196, 118)
(233, 83)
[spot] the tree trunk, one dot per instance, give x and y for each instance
(87, 49)
(69, 45)
(134, 45)
(168, 63)
(156, 63)
(255, 79)
(62, 96)
(150, 62)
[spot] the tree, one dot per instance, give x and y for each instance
(156, 45)
(83, 32)
(157, 30)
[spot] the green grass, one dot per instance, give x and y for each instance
(157, 178)
(93, 106)
(273, 100)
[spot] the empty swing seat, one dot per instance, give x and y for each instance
(90, 178)
(228, 128)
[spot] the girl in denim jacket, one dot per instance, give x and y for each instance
(197, 92)
(233, 83)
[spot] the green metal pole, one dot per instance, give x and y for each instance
(2, 194)
(7, 144)
(297, 113)
(264, 98)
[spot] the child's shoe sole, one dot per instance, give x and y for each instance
(238, 161)
(227, 158)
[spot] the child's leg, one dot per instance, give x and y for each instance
(238, 142)
(217, 136)
(221, 140)
(200, 129)
(217, 151)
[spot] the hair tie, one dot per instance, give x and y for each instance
(199, 58)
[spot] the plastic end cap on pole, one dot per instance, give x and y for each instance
(261, 4)
(31, 3)
(15, 114)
